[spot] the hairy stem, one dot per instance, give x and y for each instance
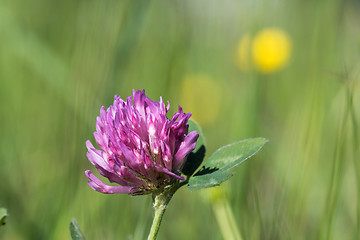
(160, 202)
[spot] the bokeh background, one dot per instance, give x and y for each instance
(284, 70)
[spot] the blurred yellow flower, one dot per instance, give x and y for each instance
(271, 49)
(243, 53)
(201, 96)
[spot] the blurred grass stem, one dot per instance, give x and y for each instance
(356, 153)
(226, 220)
(338, 166)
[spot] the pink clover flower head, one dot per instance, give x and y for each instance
(141, 149)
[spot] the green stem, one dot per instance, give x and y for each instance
(160, 202)
(159, 213)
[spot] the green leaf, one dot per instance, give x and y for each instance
(75, 231)
(196, 157)
(208, 180)
(216, 169)
(3, 215)
(233, 154)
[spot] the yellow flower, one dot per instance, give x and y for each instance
(271, 50)
(201, 96)
(243, 53)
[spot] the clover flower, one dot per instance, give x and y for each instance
(141, 149)
(143, 152)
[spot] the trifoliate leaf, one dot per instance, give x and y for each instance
(216, 169)
(233, 154)
(208, 180)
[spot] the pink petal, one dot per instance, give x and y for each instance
(187, 146)
(95, 156)
(164, 170)
(99, 186)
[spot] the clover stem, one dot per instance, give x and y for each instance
(160, 202)
(159, 213)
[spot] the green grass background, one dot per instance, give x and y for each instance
(61, 60)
